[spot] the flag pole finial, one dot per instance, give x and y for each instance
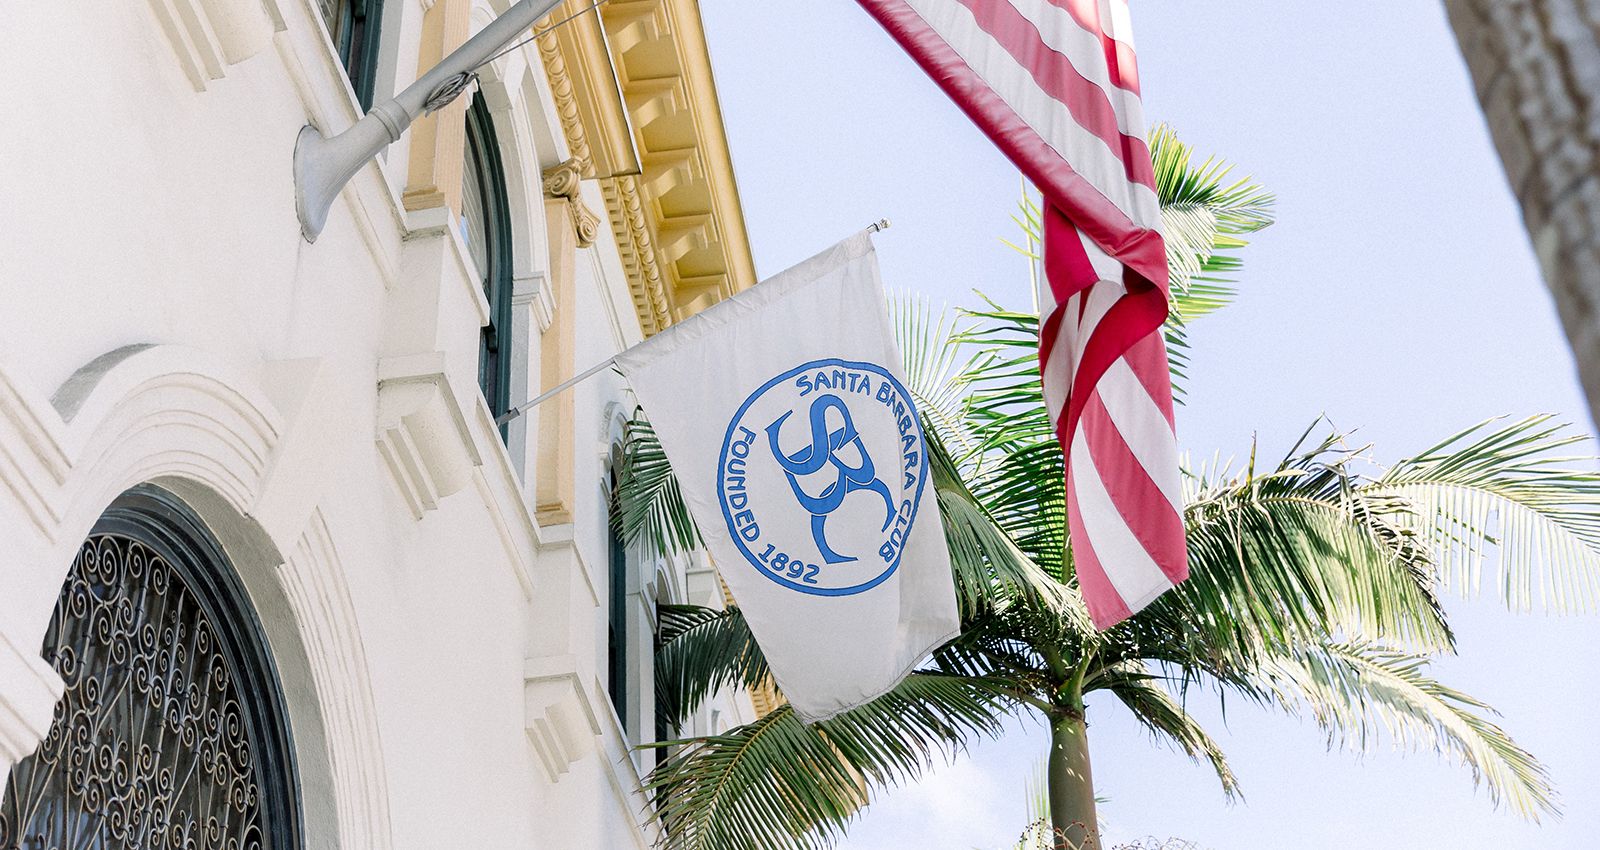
(879, 225)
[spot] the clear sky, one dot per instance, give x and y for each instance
(1398, 295)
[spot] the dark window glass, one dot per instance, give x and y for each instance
(664, 730)
(486, 230)
(353, 24)
(171, 731)
(617, 619)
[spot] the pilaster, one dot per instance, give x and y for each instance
(438, 141)
(570, 226)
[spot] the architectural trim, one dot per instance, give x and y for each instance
(142, 411)
(669, 185)
(438, 140)
(532, 292)
(564, 94)
(33, 462)
(637, 248)
(422, 435)
(207, 36)
(502, 492)
(313, 583)
(27, 703)
(560, 720)
(563, 180)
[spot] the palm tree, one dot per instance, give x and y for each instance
(1314, 584)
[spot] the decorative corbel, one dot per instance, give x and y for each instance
(563, 181)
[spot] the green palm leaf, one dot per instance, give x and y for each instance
(700, 651)
(780, 783)
(986, 564)
(929, 360)
(1508, 498)
(1355, 691)
(652, 506)
(1302, 551)
(1141, 691)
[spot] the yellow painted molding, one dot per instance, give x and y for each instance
(638, 104)
(438, 141)
(554, 477)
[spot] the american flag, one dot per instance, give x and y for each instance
(1055, 85)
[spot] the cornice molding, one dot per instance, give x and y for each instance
(566, 98)
(638, 105)
(29, 689)
(635, 243)
(312, 578)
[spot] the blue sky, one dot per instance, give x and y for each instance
(1397, 295)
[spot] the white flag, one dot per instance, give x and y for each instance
(784, 413)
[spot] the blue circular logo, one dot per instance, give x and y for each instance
(821, 475)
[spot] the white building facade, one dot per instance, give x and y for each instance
(272, 575)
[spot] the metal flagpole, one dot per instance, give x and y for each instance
(322, 166)
(875, 227)
(553, 391)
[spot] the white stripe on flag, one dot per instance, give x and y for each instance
(1056, 373)
(1106, 267)
(1116, 11)
(1143, 428)
(1130, 569)
(1061, 32)
(1046, 116)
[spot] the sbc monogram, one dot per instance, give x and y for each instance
(787, 499)
(824, 449)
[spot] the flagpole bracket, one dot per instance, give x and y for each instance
(323, 165)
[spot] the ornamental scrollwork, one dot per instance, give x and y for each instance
(149, 748)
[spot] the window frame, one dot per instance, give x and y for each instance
(494, 361)
(360, 63)
(161, 523)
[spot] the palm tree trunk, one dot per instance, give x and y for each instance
(1072, 811)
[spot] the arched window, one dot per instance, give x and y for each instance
(486, 229)
(172, 730)
(353, 24)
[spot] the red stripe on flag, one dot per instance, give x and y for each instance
(1120, 60)
(1062, 80)
(1066, 263)
(1049, 334)
(1107, 225)
(1148, 359)
(1144, 508)
(1106, 607)
(1137, 314)
(1134, 316)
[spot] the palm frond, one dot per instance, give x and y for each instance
(1508, 498)
(652, 506)
(1204, 220)
(1360, 692)
(699, 651)
(1204, 216)
(780, 783)
(1005, 401)
(1301, 550)
(1154, 707)
(929, 358)
(988, 566)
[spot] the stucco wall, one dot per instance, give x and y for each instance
(443, 655)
